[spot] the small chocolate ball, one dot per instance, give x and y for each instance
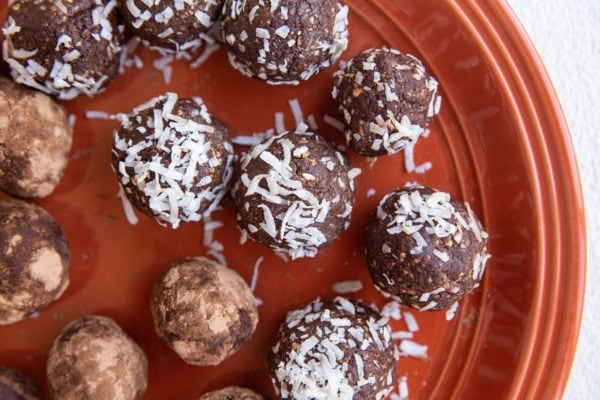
(34, 260)
(333, 350)
(94, 359)
(424, 249)
(232, 393)
(63, 48)
(36, 138)
(16, 386)
(386, 100)
(204, 311)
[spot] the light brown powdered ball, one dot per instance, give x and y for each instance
(16, 386)
(93, 359)
(35, 139)
(34, 260)
(203, 311)
(232, 393)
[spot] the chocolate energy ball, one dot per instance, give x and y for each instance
(16, 386)
(294, 193)
(284, 41)
(34, 260)
(94, 359)
(35, 139)
(333, 350)
(386, 99)
(424, 249)
(171, 25)
(173, 159)
(63, 47)
(232, 393)
(204, 311)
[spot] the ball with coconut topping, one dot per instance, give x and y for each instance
(204, 311)
(386, 99)
(16, 386)
(34, 260)
(425, 249)
(232, 393)
(294, 193)
(333, 350)
(173, 159)
(63, 47)
(283, 41)
(171, 25)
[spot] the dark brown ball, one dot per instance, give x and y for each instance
(285, 41)
(232, 393)
(294, 193)
(16, 386)
(425, 249)
(63, 48)
(386, 100)
(338, 350)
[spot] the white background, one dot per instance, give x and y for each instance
(567, 35)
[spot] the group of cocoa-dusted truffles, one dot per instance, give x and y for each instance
(175, 162)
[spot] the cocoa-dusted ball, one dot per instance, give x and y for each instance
(63, 48)
(93, 359)
(232, 393)
(171, 25)
(294, 193)
(34, 260)
(386, 100)
(204, 311)
(285, 41)
(36, 138)
(425, 249)
(16, 386)
(333, 350)
(173, 159)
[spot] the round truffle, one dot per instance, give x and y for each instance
(173, 159)
(333, 350)
(63, 48)
(386, 99)
(93, 358)
(205, 312)
(171, 25)
(35, 139)
(16, 386)
(285, 41)
(34, 260)
(232, 393)
(424, 249)
(294, 193)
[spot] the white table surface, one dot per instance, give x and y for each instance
(567, 35)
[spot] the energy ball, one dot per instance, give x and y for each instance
(386, 99)
(204, 311)
(16, 386)
(424, 249)
(63, 48)
(171, 25)
(333, 350)
(93, 359)
(34, 260)
(35, 139)
(294, 193)
(285, 41)
(173, 159)
(232, 393)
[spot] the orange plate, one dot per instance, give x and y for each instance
(501, 143)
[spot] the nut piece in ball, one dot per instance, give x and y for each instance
(286, 41)
(35, 139)
(386, 100)
(16, 386)
(232, 393)
(63, 48)
(173, 159)
(204, 311)
(294, 193)
(424, 249)
(93, 359)
(333, 350)
(34, 260)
